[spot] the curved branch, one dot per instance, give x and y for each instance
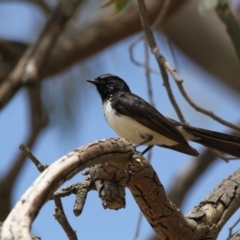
(164, 217)
(25, 210)
(204, 222)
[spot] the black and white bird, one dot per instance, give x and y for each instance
(133, 118)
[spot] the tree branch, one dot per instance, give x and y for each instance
(116, 150)
(216, 209)
(159, 58)
(204, 222)
(75, 45)
(30, 65)
(165, 65)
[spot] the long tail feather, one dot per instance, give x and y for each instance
(218, 141)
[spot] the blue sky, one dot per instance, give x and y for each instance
(21, 22)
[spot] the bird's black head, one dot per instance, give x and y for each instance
(109, 84)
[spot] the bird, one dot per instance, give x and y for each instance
(134, 119)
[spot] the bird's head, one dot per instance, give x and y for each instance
(109, 84)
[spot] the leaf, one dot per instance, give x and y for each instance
(119, 6)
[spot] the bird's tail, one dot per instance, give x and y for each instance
(219, 141)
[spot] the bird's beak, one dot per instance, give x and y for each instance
(91, 81)
(95, 82)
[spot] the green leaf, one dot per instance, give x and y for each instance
(119, 6)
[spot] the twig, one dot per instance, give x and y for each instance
(147, 74)
(165, 65)
(154, 48)
(68, 190)
(138, 227)
(80, 190)
(59, 211)
(134, 60)
(81, 196)
(179, 82)
(62, 220)
(173, 54)
(232, 227)
(29, 154)
(58, 204)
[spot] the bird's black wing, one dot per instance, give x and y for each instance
(138, 109)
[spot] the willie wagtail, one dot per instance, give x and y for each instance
(133, 118)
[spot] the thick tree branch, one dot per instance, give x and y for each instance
(117, 150)
(166, 220)
(204, 222)
(216, 209)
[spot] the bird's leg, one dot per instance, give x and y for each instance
(147, 139)
(147, 149)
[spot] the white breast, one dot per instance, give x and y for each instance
(132, 130)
